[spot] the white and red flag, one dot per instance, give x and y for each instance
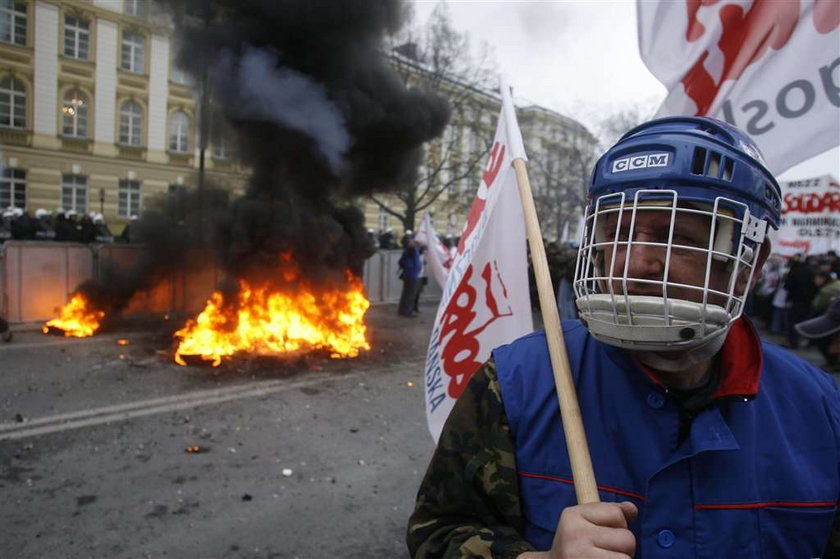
(485, 301)
(770, 67)
(438, 257)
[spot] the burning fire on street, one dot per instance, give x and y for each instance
(77, 318)
(266, 321)
(363, 133)
(261, 320)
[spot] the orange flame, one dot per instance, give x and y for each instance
(77, 318)
(268, 321)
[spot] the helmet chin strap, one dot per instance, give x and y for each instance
(684, 358)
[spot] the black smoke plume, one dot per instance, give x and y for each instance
(318, 116)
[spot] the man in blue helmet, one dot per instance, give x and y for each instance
(705, 441)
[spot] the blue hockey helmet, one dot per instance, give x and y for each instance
(701, 157)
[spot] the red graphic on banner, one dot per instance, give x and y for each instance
(826, 16)
(461, 349)
(497, 155)
(812, 202)
(745, 38)
(802, 246)
(695, 29)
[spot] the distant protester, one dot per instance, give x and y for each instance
(824, 330)
(409, 272)
(5, 332)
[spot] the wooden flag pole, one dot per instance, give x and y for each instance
(584, 477)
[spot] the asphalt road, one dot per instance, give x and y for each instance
(310, 458)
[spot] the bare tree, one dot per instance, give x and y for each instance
(437, 58)
(613, 126)
(560, 174)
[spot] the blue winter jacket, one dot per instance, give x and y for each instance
(756, 475)
(410, 262)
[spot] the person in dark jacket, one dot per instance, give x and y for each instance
(409, 272)
(24, 226)
(801, 289)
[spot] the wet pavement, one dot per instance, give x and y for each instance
(115, 451)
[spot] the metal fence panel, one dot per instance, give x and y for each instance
(159, 298)
(185, 289)
(39, 276)
(198, 279)
(391, 269)
(382, 282)
(432, 291)
(372, 274)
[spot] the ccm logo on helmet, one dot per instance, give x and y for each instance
(640, 162)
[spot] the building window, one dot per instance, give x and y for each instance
(76, 37)
(135, 7)
(179, 132)
(133, 52)
(12, 103)
(74, 193)
(131, 122)
(129, 198)
(74, 114)
(12, 188)
(13, 22)
(384, 220)
(221, 148)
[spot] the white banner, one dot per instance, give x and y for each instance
(485, 301)
(810, 221)
(770, 67)
(438, 257)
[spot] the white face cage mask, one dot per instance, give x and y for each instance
(654, 275)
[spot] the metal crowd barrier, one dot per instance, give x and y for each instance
(37, 278)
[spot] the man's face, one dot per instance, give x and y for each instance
(646, 263)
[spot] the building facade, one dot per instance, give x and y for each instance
(560, 152)
(94, 114)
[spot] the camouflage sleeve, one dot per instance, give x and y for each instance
(468, 504)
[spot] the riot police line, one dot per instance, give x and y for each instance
(60, 226)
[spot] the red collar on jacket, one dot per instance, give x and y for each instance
(740, 362)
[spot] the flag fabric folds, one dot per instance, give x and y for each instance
(485, 300)
(770, 67)
(438, 257)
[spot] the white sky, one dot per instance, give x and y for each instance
(577, 57)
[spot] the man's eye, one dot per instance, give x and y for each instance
(686, 240)
(622, 235)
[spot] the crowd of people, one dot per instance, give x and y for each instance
(792, 291)
(60, 226)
